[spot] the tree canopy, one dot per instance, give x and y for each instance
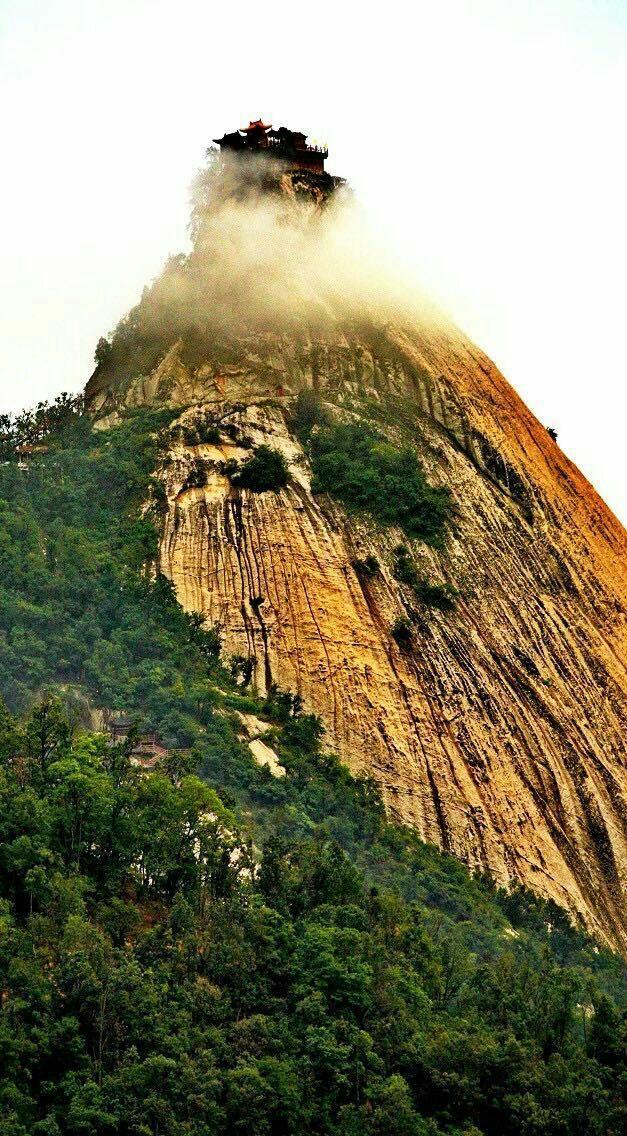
(206, 949)
(158, 977)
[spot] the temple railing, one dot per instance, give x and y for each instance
(277, 144)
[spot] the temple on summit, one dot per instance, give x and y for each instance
(289, 146)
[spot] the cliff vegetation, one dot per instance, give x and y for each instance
(208, 948)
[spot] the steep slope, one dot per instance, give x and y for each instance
(499, 734)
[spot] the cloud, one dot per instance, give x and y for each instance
(268, 255)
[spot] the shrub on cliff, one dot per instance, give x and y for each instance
(200, 431)
(402, 633)
(441, 596)
(404, 567)
(355, 463)
(197, 476)
(103, 352)
(266, 470)
(368, 567)
(308, 412)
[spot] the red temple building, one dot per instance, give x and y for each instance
(288, 146)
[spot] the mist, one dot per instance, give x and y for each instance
(481, 139)
(270, 253)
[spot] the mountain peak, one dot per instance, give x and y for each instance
(479, 675)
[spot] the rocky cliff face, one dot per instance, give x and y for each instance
(500, 735)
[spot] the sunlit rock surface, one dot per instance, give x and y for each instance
(501, 736)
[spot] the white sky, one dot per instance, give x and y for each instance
(486, 136)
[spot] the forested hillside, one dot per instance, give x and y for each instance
(206, 949)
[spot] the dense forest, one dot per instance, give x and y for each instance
(206, 949)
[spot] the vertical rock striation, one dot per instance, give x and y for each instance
(500, 736)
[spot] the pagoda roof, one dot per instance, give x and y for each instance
(258, 124)
(234, 140)
(286, 130)
(290, 138)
